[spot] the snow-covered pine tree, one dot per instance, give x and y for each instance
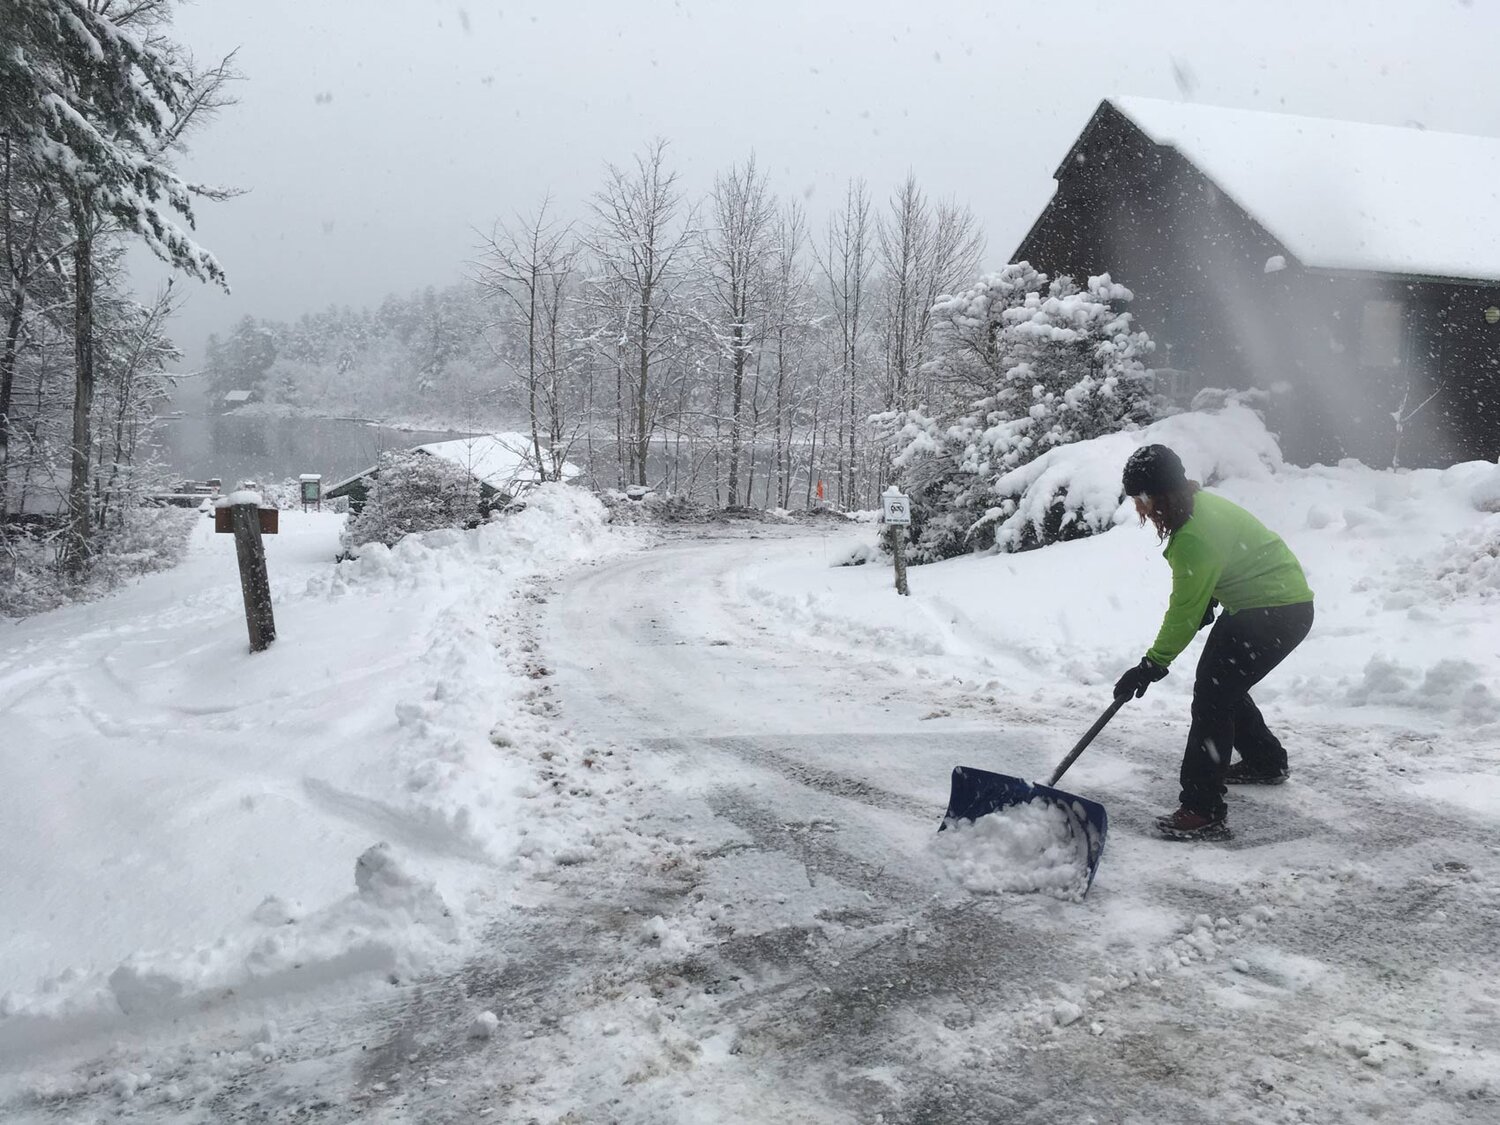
(94, 107)
(1021, 365)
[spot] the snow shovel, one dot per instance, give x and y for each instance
(978, 793)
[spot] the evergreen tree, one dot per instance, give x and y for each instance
(94, 109)
(1022, 365)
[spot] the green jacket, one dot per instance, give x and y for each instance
(1226, 553)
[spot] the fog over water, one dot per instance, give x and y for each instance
(373, 138)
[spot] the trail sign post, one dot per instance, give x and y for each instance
(312, 490)
(246, 518)
(895, 513)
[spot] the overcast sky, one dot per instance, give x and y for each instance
(373, 136)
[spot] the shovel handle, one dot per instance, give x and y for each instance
(1083, 742)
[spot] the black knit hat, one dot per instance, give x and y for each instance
(1154, 470)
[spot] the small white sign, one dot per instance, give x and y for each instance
(895, 507)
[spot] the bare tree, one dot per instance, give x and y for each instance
(639, 235)
(957, 248)
(529, 266)
(904, 242)
(134, 354)
(846, 263)
(558, 331)
(790, 323)
(923, 253)
(33, 247)
(736, 253)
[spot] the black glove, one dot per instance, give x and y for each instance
(1138, 679)
(1208, 613)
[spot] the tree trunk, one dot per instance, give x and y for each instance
(736, 404)
(620, 444)
(76, 545)
(853, 407)
(642, 433)
(7, 387)
(536, 438)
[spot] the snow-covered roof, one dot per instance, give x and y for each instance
(237, 396)
(505, 461)
(1345, 195)
(501, 461)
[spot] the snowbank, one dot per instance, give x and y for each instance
(203, 806)
(395, 923)
(1405, 566)
(1084, 478)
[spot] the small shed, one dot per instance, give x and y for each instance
(236, 398)
(504, 465)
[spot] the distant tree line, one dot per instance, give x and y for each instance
(726, 348)
(720, 346)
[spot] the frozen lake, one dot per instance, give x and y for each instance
(239, 447)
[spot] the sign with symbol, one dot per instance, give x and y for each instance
(895, 507)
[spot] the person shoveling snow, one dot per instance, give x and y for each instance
(1220, 555)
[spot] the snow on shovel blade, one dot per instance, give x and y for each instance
(977, 793)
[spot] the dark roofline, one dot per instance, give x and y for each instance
(1067, 162)
(1102, 109)
(1331, 271)
(1107, 110)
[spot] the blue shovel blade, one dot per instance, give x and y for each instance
(978, 793)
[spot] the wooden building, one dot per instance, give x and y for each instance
(1352, 271)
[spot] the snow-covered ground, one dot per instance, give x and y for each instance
(661, 834)
(188, 822)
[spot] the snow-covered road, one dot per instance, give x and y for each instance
(1331, 963)
(749, 916)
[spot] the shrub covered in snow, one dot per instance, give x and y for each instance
(1072, 491)
(142, 540)
(1023, 365)
(413, 492)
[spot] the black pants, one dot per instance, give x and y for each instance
(1241, 649)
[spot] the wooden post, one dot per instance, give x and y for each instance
(898, 550)
(255, 583)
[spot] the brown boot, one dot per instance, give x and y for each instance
(1185, 824)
